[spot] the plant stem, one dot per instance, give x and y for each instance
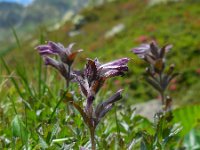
(68, 76)
(162, 98)
(92, 137)
(162, 92)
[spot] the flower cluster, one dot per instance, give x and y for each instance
(90, 82)
(95, 75)
(152, 54)
(156, 74)
(66, 55)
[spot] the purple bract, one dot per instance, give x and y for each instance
(52, 48)
(95, 75)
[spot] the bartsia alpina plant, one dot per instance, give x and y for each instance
(66, 56)
(90, 81)
(158, 75)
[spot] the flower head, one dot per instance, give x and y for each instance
(153, 54)
(66, 58)
(65, 54)
(107, 105)
(151, 50)
(96, 73)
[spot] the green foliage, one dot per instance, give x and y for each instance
(188, 116)
(19, 130)
(192, 140)
(164, 135)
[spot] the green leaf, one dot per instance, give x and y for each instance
(192, 140)
(187, 116)
(43, 144)
(19, 129)
(54, 132)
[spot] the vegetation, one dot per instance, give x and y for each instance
(35, 108)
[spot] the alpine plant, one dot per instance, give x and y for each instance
(90, 82)
(158, 75)
(66, 58)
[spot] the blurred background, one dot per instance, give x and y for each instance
(108, 29)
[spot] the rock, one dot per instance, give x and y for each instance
(78, 21)
(115, 30)
(148, 109)
(73, 33)
(68, 16)
(154, 2)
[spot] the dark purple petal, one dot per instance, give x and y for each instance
(59, 66)
(113, 73)
(51, 62)
(90, 100)
(154, 49)
(50, 48)
(105, 106)
(83, 85)
(43, 47)
(56, 47)
(117, 96)
(144, 48)
(90, 71)
(44, 50)
(119, 62)
(119, 68)
(104, 111)
(164, 50)
(114, 68)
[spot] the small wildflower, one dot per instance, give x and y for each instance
(152, 51)
(95, 75)
(66, 58)
(65, 54)
(152, 54)
(156, 75)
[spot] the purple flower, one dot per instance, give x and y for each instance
(142, 50)
(152, 54)
(56, 64)
(151, 51)
(52, 48)
(95, 75)
(107, 105)
(66, 56)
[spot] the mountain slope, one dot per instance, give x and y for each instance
(10, 14)
(24, 19)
